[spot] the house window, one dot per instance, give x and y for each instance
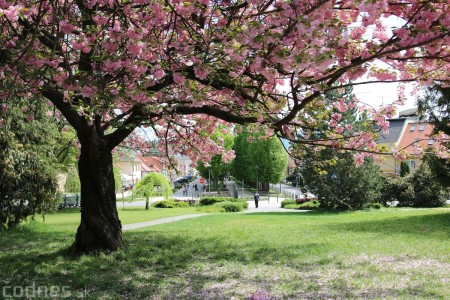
(412, 128)
(411, 164)
(430, 142)
(415, 142)
(422, 127)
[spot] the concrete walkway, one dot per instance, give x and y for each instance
(160, 221)
(264, 207)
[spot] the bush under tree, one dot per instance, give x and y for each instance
(419, 189)
(27, 185)
(338, 183)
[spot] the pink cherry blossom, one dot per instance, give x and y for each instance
(12, 13)
(201, 73)
(179, 79)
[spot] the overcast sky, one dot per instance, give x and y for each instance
(376, 94)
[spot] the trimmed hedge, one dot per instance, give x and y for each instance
(212, 200)
(313, 204)
(292, 204)
(287, 202)
(229, 206)
(170, 204)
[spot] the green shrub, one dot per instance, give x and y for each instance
(427, 191)
(417, 190)
(375, 205)
(229, 206)
(338, 183)
(287, 202)
(292, 206)
(398, 189)
(164, 204)
(312, 204)
(170, 204)
(213, 200)
(181, 204)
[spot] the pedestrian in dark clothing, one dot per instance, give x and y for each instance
(256, 197)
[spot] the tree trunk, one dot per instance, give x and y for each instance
(146, 203)
(100, 227)
(216, 184)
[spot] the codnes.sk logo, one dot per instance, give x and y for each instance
(32, 290)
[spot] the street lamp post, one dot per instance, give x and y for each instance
(257, 183)
(132, 178)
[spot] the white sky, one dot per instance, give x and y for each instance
(376, 94)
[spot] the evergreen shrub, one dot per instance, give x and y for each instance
(169, 204)
(229, 206)
(284, 203)
(212, 200)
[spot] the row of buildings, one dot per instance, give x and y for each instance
(406, 132)
(134, 166)
(409, 133)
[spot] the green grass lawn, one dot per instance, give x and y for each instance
(377, 254)
(69, 219)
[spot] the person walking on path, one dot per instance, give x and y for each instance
(256, 197)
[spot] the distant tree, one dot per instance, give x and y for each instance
(435, 108)
(261, 161)
(270, 159)
(439, 168)
(117, 176)
(331, 174)
(239, 166)
(72, 184)
(428, 192)
(338, 183)
(218, 166)
(152, 184)
(404, 169)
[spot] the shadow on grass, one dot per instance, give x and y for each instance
(156, 261)
(432, 224)
(149, 259)
(65, 211)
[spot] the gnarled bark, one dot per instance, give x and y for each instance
(100, 227)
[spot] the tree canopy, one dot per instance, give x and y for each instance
(184, 68)
(152, 184)
(109, 66)
(261, 161)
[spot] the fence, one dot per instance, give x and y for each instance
(70, 200)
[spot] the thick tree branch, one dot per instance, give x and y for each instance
(57, 98)
(215, 112)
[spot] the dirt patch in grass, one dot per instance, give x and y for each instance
(366, 277)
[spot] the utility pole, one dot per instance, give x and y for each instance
(257, 183)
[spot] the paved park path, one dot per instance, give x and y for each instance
(264, 207)
(160, 221)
